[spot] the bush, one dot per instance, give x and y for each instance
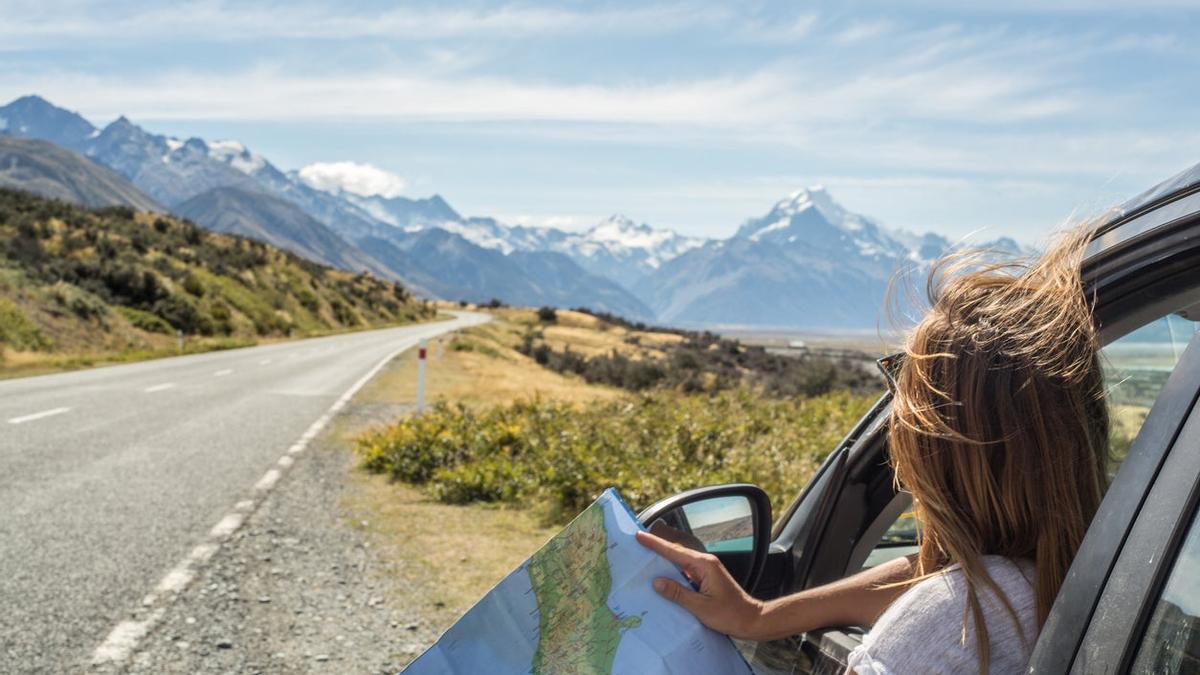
(193, 285)
(547, 315)
(648, 447)
(145, 320)
(707, 362)
(78, 301)
(18, 331)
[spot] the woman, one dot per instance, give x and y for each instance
(999, 431)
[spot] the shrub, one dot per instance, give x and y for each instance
(649, 447)
(78, 301)
(145, 320)
(193, 285)
(547, 315)
(18, 331)
(707, 362)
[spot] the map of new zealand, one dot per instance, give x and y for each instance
(582, 605)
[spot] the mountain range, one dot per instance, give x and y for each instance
(808, 262)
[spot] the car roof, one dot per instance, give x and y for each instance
(1183, 181)
(1174, 201)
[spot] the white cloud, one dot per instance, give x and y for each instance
(360, 179)
(48, 24)
(863, 30)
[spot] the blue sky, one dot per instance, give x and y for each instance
(1000, 118)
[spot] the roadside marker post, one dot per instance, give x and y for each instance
(421, 375)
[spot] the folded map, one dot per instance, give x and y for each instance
(582, 605)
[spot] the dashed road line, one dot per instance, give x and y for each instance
(159, 387)
(126, 636)
(37, 415)
(222, 373)
(264, 362)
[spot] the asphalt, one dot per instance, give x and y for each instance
(100, 500)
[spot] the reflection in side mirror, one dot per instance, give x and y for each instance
(722, 524)
(730, 521)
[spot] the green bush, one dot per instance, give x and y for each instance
(649, 447)
(78, 301)
(145, 320)
(18, 331)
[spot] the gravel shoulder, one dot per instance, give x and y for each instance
(299, 588)
(340, 571)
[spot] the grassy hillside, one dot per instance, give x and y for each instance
(81, 285)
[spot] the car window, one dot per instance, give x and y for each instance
(1135, 366)
(1135, 369)
(1171, 643)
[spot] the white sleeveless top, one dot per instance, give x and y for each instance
(921, 632)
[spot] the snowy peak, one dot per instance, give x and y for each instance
(811, 218)
(619, 229)
(236, 155)
(813, 207)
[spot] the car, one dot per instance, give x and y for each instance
(1131, 599)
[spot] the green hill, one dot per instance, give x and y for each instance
(80, 284)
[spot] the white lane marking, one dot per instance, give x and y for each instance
(227, 525)
(268, 481)
(121, 642)
(37, 415)
(264, 362)
(159, 387)
(125, 637)
(222, 373)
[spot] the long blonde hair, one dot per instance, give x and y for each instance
(999, 427)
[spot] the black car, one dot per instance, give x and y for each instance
(1131, 600)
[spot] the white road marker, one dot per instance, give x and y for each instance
(121, 642)
(222, 373)
(125, 637)
(37, 416)
(227, 526)
(268, 481)
(264, 362)
(159, 387)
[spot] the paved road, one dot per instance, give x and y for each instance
(109, 477)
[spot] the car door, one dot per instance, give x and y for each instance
(1142, 268)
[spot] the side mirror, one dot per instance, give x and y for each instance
(732, 522)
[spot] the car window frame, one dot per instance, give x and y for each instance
(1141, 280)
(1149, 551)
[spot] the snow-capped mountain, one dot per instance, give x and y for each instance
(622, 250)
(806, 262)
(616, 248)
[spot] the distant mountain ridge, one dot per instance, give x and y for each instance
(47, 170)
(217, 184)
(807, 262)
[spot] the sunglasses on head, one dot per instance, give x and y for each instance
(890, 367)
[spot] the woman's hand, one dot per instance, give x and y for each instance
(720, 603)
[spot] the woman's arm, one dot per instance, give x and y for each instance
(721, 604)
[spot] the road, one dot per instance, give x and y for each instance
(110, 477)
